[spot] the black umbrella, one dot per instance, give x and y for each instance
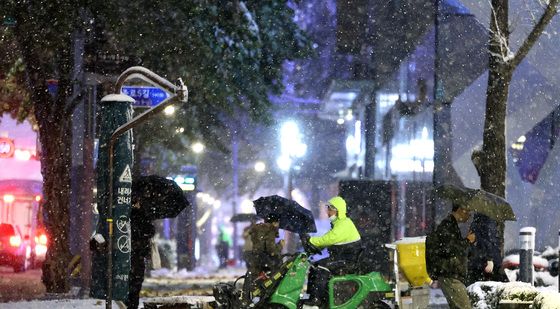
(159, 197)
(477, 200)
(292, 216)
(244, 217)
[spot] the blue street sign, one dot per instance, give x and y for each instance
(145, 96)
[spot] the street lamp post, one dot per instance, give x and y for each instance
(291, 148)
(235, 180)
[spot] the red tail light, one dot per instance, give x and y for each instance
(15, 241)
(41, 239)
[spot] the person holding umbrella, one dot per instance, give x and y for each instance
(490, 213)
(446, 257)
(141, 233)
(484, 255)
(266, 252)
(153, 197)
(344, 244)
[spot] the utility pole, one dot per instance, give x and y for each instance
(235, 183)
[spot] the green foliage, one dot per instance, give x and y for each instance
(485, 294)
(230, 54)
(489, 294)
(519, 293)
(14, 99)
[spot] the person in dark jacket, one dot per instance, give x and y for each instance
(343, 242)
(222, 246)
(141, 232)
(484, 255)
(446, 257)
(266, 254)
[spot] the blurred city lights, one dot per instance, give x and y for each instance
(260, 166)
(284, 163)
(22, 155)
(349, 116)
(291, 145)
(169, 110)
(291, 140)
(197, 147)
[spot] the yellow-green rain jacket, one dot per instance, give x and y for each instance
(343, 230)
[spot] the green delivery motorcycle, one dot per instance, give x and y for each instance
(284, 287)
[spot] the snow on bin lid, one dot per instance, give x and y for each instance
(411, 240)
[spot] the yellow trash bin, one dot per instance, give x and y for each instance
(412, 260)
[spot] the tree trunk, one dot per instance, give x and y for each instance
(55, 137)
(52, 111)
(493, 174)
(493, 163)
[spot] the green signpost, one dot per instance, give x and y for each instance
(111, 266)
(116, 110)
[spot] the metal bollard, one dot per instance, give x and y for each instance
(527, 246)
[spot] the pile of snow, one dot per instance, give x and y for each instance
(550, 253)
(518, 292)
(486, 295)
(547, 300)
(59, 304)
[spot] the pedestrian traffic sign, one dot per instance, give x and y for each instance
(145, 96)
(126, 175)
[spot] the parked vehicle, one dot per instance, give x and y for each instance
(21, 185)
(20, 207)
(545, 265)
(15, 250)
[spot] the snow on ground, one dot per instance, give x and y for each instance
(488, 294)
(58, 304)
(199, 273)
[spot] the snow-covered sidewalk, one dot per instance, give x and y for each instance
(93, 303)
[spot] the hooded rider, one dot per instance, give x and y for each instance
(343, 243)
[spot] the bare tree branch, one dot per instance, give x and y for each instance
(501, 39)
(532, 38)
